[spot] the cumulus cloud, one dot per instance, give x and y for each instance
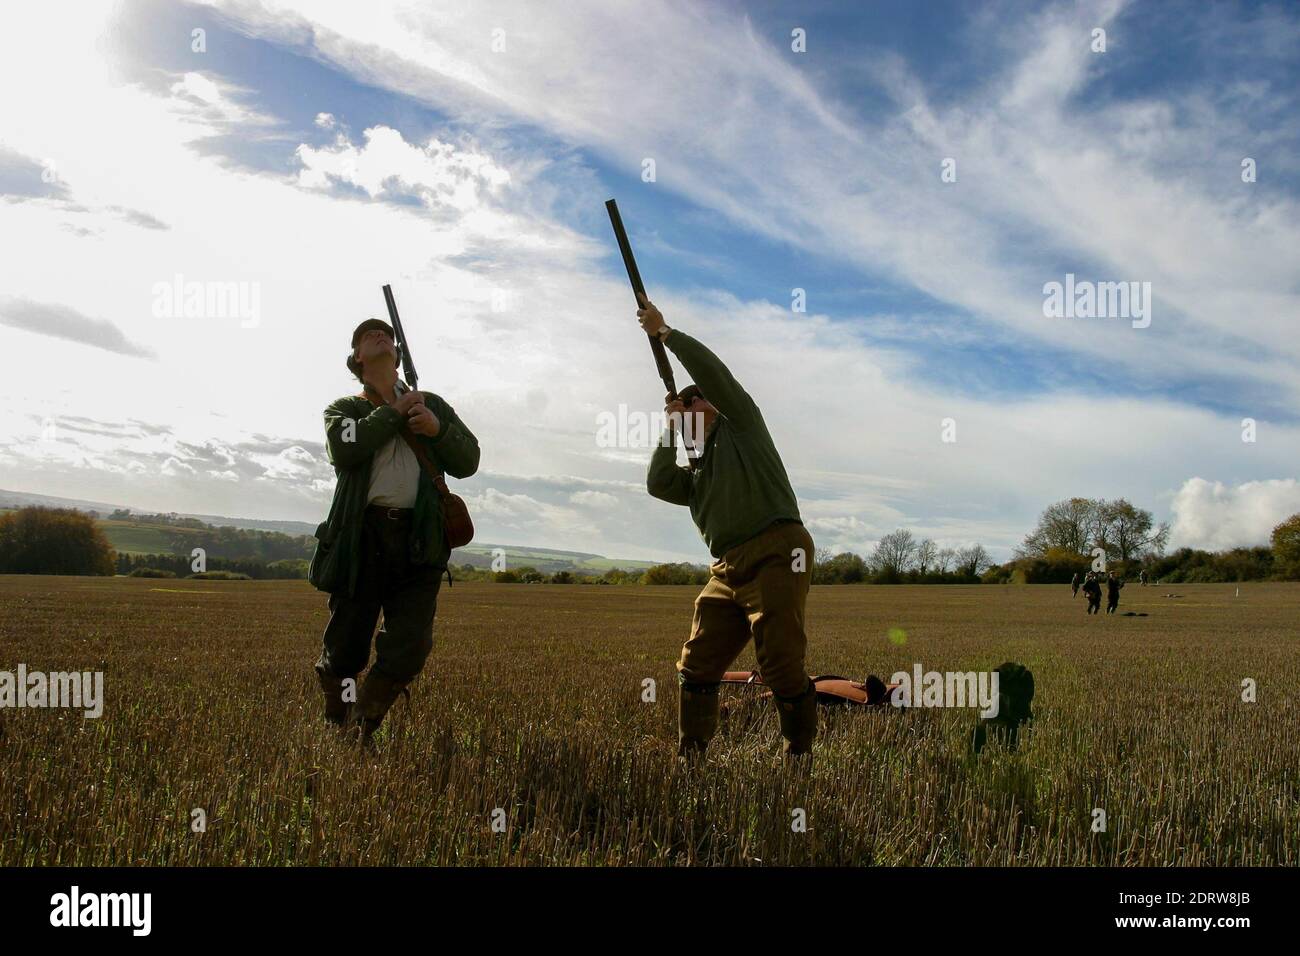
(290, 464)
(1215, 516)
(439, 174)
(174, 467)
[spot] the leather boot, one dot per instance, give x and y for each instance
(798, 721)
(697, 718)
(336, 708)
(374, 699)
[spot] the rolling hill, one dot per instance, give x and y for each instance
(138, 535)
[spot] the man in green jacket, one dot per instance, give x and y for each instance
(382, 548)
(741, 500)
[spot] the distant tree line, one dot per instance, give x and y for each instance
(171, 518)
(1069, 537)
(901, 558)
(1060, 547)
(659, 574)
(224, 541)
(1071, 532)
(182, 566)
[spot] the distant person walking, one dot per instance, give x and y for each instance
(1113, 585)
(1142, 577)
(1092, 591)
(1074, 585)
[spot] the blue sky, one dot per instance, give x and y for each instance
(776, 170)
(1154, 52)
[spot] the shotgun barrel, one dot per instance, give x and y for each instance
(408, 364)
(638, 290)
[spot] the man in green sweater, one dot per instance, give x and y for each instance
(741, 500)
(382, 548)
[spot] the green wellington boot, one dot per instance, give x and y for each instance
(697, 718)
(798, 721)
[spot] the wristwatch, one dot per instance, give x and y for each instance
(662, 334)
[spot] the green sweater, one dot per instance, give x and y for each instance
(740, 486)
(335, 563)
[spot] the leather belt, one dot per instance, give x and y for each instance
(390, 514)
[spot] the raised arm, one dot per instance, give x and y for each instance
(706, 369)
(714, 379)
(667, 480)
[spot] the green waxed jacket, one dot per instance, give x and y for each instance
(455, 450)
(740, 487)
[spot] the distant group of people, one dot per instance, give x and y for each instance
(1092, 590)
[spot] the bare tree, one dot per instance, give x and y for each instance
(943, 561)
(926, 554)
(1099, 529)
(1069, 524)
(894, 552)
(974, 560)
(1079, 525)
(1131, 531)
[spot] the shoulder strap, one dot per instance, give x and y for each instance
(423, 458)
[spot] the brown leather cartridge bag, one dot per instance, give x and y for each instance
(457, 525)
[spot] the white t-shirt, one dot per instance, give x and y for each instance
(394, 473)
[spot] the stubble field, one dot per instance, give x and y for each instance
(530, 714)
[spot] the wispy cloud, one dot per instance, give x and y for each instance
(22, 178)
(61, 322)
(1056, 171)
(138, 218)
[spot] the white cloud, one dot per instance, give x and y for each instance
(174, 466)
(1215, 516)
(441, 174)
(594, 499)
(199, 87)
(211, 101)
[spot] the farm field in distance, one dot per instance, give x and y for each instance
(531, 704)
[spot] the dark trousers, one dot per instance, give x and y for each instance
(386, 581)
